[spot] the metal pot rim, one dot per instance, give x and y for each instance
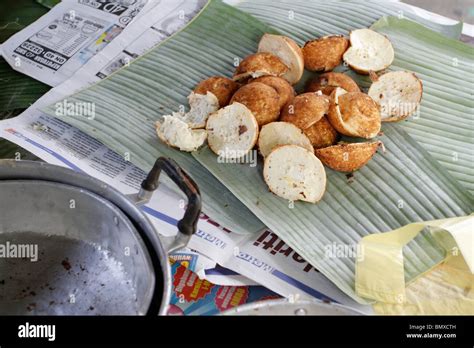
(284, 302)
(31, 170)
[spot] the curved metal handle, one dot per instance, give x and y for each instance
(188, 224)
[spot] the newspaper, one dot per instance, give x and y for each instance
(194, 296)
(61, 42)
(225, 257)
(208, 269)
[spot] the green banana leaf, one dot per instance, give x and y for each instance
(48, 3)
(445, 127)
(9, 150)
(17, 15)
(18, 91)
(404, 185)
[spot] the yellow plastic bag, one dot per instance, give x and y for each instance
(445, 289)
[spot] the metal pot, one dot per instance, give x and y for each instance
(287, 307)
(96, 252)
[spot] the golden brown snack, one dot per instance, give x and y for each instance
(398, 93)
(305, 110)
(176, 133)
(354, 114)
(324, 54)
(222, 87)
(201, 106)
(232, 131)
(328, 82)
(261, 99)
(260, 64)
(285, 91)
(369, 51)
(322, 134)
(347, 157)
(288, 51)
(277, 134)
(295, 174)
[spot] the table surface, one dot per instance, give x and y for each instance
(460, 10)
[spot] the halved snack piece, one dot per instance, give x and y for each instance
(348, 157)
(322, 134)
(232, 131)
(294, 173)
(222, 87)
(262, 100)
(288, 51)
(305, 110)
(369, 51)
(285, 91)
(398, 93)
(202, 105)
(176, 133)
(324, 54)
(276, 134)
(328, 82)
(260, 64)
(354, 114)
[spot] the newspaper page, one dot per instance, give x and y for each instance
(58, 44)
(208, 269)
(194, 296)
(268, 260)
(156, 25)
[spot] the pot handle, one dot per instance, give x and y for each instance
(188, 224)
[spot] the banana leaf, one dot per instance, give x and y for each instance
(18, 91)
(445, 126)
(48, 3)
(404, 185)
(17, 15)
(9, 150)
